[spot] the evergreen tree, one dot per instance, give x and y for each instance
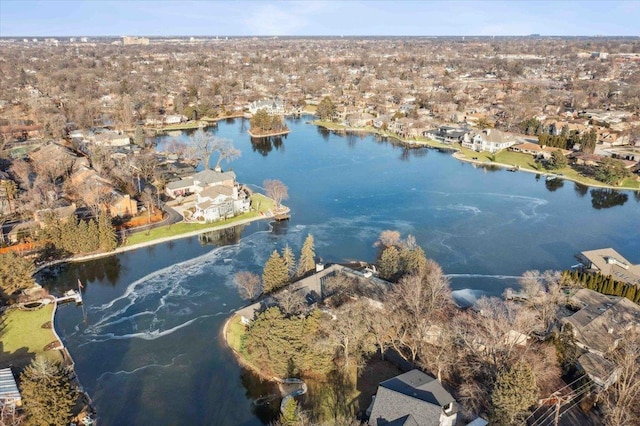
(389, 263)
(289, 415)
(307, 260)
(16, 273)
(275, 273)
(93, 236)
(139, 137)
(514, 392)
(47, 394)
(106, 233)
(289, 259)
(412, 260)
(325, 109)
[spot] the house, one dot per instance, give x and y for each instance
(117, 204)
(607, 261)
(112, 139)
(538, 151)
(61, 214)
(9, 394)
(600, 370)
(61, 155)
(273, 106)
(446, 134)
(220, 202)
(490, 140)
(361, 119)
(601, 321)
(199, 181)
(413, 398)
(174, 119)
(584, 159)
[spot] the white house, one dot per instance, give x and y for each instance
(490, 140)
(270, 106)
(220, 202)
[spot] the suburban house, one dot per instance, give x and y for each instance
(273, 106)
(220, 202)
(117, 204)
(174, 119)
(61, 214)
(361, 119)
(446, 134)
(61, 155)
(412, 398)
(490, 140)
(112, 139)
(607, 261)
(601, 321)
(600, 370)
(538, 151)
(198, 182)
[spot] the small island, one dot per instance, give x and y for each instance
(265, 125)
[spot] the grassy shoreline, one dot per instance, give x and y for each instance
(504, 159)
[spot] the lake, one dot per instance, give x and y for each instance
(147, 345)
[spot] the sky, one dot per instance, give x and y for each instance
(20, 18)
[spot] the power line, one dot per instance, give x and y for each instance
(578, 396)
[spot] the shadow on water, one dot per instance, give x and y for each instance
(606, 198)
(62, 277)
(265, 396)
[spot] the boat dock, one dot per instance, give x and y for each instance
(70, 296)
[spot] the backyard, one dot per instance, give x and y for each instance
(22, 336)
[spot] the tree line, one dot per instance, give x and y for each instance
(604, 284)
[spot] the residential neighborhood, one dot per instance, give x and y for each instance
(109, 145)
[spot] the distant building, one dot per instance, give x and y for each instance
(198, 182)
(413, 398)
(273, 106)
(130, 41)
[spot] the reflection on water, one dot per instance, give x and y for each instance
(266, 144)
(580, 189)
(222, 237)
(602, 198)
(553, 184)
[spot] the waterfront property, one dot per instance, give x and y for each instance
(220, 202)
(412, 398)
(490, 140)
(198, 182)
(607, 261)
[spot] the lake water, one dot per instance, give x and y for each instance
(148, 346)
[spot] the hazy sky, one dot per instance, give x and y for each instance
(331, 17)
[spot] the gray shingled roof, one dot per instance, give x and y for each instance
(410, 395)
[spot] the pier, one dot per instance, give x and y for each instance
(70, 296)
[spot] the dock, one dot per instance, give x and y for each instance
(70, 296)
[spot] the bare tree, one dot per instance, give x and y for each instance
(388, 238)
(276, 190)
(290, 301)
(249, 284)
(205, 145)
(622, 399)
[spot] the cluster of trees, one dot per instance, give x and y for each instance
(75, 236)
(326, 109)
(47, 393)
(566, 140)
(263, 122)
(16, 273)
(557, 161)
(279, 270)
(611, 171)
(287, 346)
(604, 284)
(203, 145)
(398, 257)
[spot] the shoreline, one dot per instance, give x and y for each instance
(458, 155)
(268, 135)
(123, 249)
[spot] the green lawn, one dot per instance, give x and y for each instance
(22, 336)
(235, 331)
(259, 201)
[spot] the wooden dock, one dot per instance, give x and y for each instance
(70, 296)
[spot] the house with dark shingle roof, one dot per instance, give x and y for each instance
(196, 183)
(412, 398)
